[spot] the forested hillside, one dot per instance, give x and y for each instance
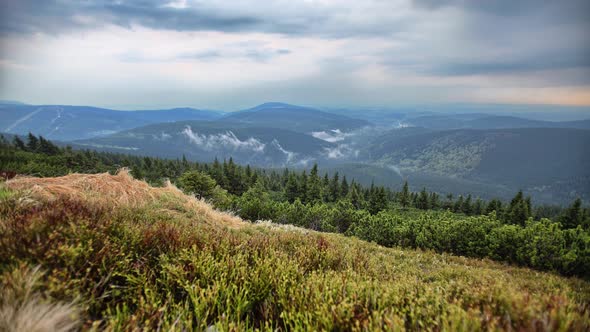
(549, 163)
(516, 231)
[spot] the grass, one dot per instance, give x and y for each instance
(132, 257)
(4, 192)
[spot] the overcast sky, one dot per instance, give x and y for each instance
(224, 54)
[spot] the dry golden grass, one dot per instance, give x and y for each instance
(119, 190)
(23, 309)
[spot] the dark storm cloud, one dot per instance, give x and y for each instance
(29, 16)
(58, 16)
(355, 46)
(578, 58)
(572, 9)
(533, 36)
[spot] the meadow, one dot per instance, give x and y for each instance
(107, 252)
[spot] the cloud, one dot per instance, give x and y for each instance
(254, 54)
(233, 54)
(289, 154)
(162, 136)
(29, 16)
(278, 16)
(341, 151)
(573, 9)
(227, 140)
(332, 136)
(579, 58)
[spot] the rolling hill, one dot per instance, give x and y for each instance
(295, 118)
(62, 122)
(203, 141)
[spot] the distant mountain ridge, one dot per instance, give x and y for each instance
(63, 122)
(292, 117)
(204, 141)
(486, 154)
(536, 159)
(489, 121)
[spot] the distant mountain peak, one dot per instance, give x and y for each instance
(11, 102)
(276, 104)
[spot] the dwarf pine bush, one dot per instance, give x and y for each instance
(168, 264)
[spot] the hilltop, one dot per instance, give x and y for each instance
(108, 251)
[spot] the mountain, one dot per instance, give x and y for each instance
(296, 118)
(62, 122)
(487, 121)
(542, 160)
(204, 141)
(11, 102)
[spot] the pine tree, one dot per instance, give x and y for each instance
(137, 172)
(378, 200)
(197, 183)
(291, 189)
(518, 211)
(46, 147)
(478, 207)
(434, 200)
(335, 188)
(404, 197)
(18, 143)
(33, 143)
(344, 187)
(314, 191)
(422, 200)
(494, 205)
(467, 208)
(217, 173)
(573, 216)
(355, 196)
(458, 207)
(326, 197)
(303, 187)
(449, 203)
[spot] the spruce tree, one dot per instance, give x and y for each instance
(314, 190)
(377, 201)
(434, 201)
(478, 207)
(291, 189)
(458, 207)
(32, 143)
(519, 209)
(18, 143)
(355, 197)
(404, 197)
(573, 216)
(467, 208)
(335, 188)
(422, 201)
(344, 187)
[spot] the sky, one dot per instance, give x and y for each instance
(228, 55)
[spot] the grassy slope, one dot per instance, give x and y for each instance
(131, 256)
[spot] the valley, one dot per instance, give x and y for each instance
(488, 155)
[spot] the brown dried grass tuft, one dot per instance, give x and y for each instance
(23, 309)
(120, 190)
